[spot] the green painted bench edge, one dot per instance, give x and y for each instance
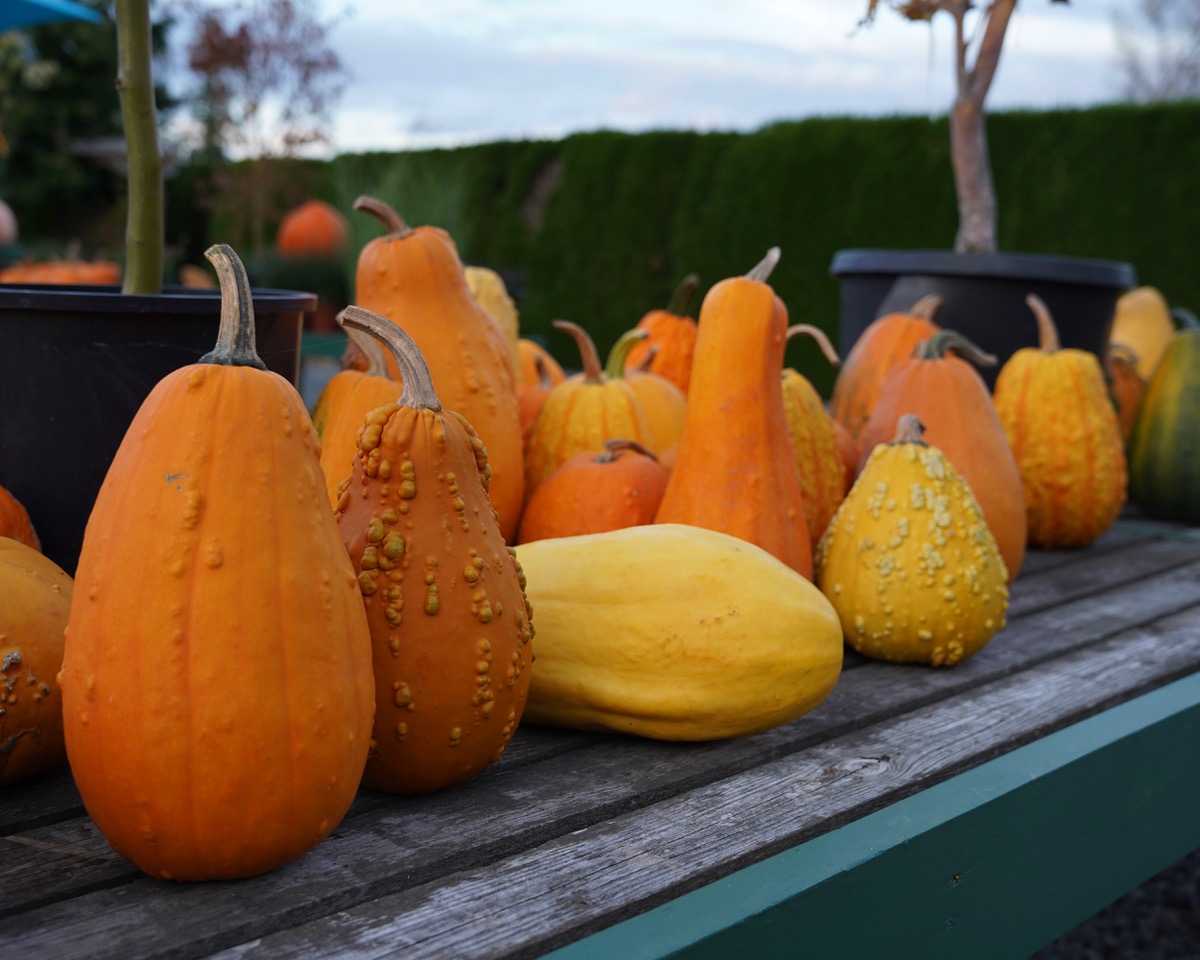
(995, 862)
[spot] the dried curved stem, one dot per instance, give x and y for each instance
(418, 392)
(1047, 332)
(386, 214)
(592, 371)
(762, 270)
(937, 346)
(614, 368)
(819, 335)
(235, 338)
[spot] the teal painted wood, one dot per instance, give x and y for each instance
(993, 863)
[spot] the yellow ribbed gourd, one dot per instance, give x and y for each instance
(908, 560)
(487, 286)
(1066, 437)
(674, 632)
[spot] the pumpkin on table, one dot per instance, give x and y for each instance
(1065, 437)
(415, 274)
(670, 345)
(620, 485)
(953, 403)
(1164, 450)
(733, 469)
(583, 411)
(217, 693)
(909, 562)
(886, 342)
(35, 601)
(444, 597)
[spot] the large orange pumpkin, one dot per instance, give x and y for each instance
(734, 471)
(413, 276)
(948, 396)
(444, 596)
(216, 683)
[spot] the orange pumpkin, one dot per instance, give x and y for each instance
(1125, 385)
(414, 277)
(887, 341)
(734, 472)
(444, 596)
(339, 411)
(35, 601)
(582, 412)
(594, 492)
(217, 676)
(670, 344)
(1064, 434)
(15, 522)
(948, 396)
(813, 442)
(313, 229)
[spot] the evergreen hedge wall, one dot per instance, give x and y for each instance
(599, 227)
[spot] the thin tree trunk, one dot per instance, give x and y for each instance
(144, 223)
(972, 180)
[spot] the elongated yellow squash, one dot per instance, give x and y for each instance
(674, 632)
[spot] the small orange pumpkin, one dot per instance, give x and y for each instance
(594, 492)
(444, 596)
(15, 522)
(534, 359)
(887, 341)
(582, 412)
(664, 403)
(670, 344)
(313, 229)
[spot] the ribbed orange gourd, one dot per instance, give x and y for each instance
(664, 404)
(593, 492)
(733, 471)
(216, 684)
(35, 600)
(444, 596)
(339, 411)
(887, 341)
(15, 522)
(1065, 436)
(414, 276)
(814, 443)
(671, 335)
(950, 398)
(581, 413)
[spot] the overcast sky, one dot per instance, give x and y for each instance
(461, 71)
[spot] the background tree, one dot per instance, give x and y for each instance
(1158, 44)
(266, 80)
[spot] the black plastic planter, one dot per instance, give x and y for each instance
(984, 295)
(76, 363)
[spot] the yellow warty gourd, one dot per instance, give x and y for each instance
(674, 632)
(908, 561)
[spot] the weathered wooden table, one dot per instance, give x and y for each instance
(973, 812)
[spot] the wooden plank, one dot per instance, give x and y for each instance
(939, 867)
(544, 800)
(576, 885)
(564, 884)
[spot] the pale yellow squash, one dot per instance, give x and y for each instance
(674, 632)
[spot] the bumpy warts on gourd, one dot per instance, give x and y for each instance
(909, 562)
(444, 595)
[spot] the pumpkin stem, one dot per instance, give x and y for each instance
(418, 392)
(927, 307)
(386, 213)
(235, 338)
(543, 372)
(1122, 353)
(647, 361)
(935, 348)
(1047, 332)
(681, 299)
(614, 369)
(592, 371)
(910, 429)
(761, 271)
(372, 353)
(616, 446)
(1185, 318)
(817, 334)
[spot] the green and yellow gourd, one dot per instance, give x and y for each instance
(674, 632)
(908, 560)
(1164, 450)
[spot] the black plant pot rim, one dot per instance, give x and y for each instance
(107, 298)
(1032, 266)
